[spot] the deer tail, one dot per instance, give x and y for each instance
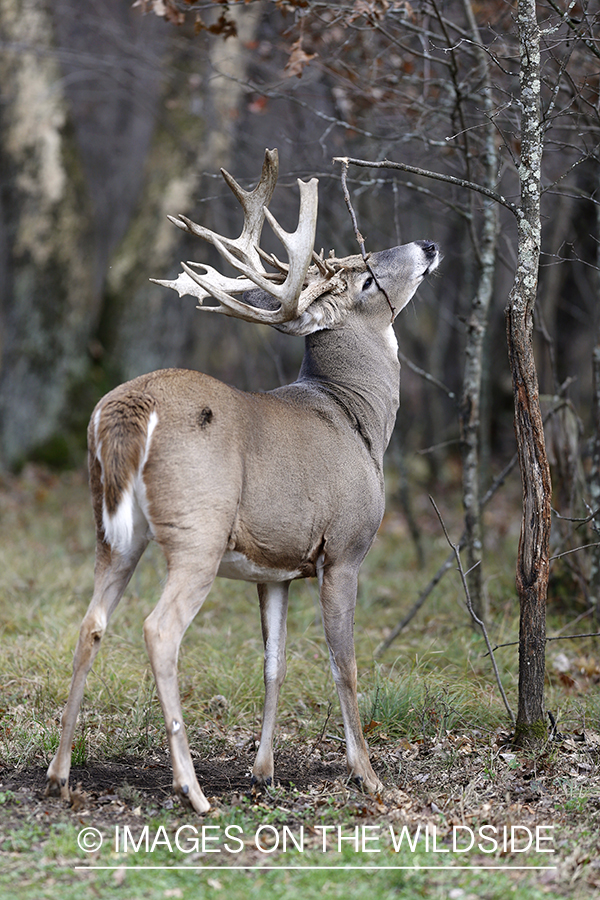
(119, 438)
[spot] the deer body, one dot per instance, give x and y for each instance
(263, 487)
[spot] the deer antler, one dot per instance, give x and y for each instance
(244, 254)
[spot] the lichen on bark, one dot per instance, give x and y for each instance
(534, 543)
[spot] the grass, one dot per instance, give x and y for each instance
(45, 586)
(430, 709)
(49, 879)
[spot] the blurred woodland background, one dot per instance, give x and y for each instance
(115, 114)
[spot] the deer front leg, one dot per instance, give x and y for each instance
(273, 614)
(112, 575)
(338, 601)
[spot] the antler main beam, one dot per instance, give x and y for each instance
(244, 253)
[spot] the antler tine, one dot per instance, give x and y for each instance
(299, 246)
(272, 260)
(244, 254)
(254, 202)
(231, 306)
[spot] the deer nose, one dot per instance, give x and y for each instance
(429, 248)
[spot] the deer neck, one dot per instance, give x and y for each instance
(358, 373)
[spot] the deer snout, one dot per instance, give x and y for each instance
(432, 254)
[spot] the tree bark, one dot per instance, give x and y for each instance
(47, 239)
(595, 469)
(470, 401)
(534, 543)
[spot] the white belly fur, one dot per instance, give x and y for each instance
(235, 565)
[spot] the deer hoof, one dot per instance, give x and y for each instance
(367, 786)
(58, 787)
(193, 798)
(257, 781)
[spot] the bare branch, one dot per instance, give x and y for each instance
(574, 550)
(426, 376)
(347, 198)
(426, 173)
(360, 238)
(496, 484)
(474, 616)
(572, 23)
(562, 637)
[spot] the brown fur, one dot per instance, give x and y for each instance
(120, 438)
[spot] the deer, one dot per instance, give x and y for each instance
(265, 487)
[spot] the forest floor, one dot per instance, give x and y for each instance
(462, 814)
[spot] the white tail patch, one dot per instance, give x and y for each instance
(131, 523)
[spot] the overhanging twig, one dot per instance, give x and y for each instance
(359, 237)
(426, 173)
(474, 616)
(347, 198)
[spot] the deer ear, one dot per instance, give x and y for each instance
(326, 312)
(305, 324)
(310, 320)
(260, 300)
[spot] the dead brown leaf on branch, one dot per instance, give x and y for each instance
(165, 9)
(223, 26)
(174, 12)
(298, 60)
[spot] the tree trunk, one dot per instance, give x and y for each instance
(470, 402)
(470, 410)
(46, 278)
(534, 542)
(595, 469)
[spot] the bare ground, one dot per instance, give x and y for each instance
(456, 780)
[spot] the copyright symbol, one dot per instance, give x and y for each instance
(89, 840)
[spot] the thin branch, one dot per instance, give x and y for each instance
(574, 550)
(435, 447)
(426, 173)
(423, 374)
(563, 637)
(415, 607)
(445, 566)
(474, 616)
(319, 740)
(580, 521)
(572, 23)
(347, 198)
(360, 239)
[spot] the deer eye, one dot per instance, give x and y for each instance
(367, 283)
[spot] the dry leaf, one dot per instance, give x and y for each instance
(298, 60)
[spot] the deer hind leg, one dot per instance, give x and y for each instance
(186, 588)
(273, 599)
(338, 601)
(113, 572)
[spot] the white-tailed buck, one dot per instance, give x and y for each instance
(262, 487)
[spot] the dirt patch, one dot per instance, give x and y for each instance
(143, 786)
(431, 776)
(151, 778)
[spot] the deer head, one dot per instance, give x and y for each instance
(288, 297)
